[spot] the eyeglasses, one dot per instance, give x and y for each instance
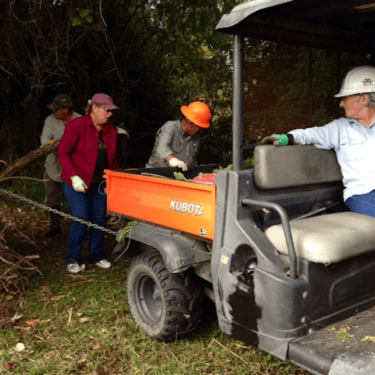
(346, 98)
(107, 109)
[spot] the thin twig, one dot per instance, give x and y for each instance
(24, 178)
(4, 285)
(5, 261)
(155, 175)
(208, 346)
(15, 265)
(70, 317)
(183, 364)
(101, 13)
(27, 238)
(231, 352)
(126, 248)
(32, 266)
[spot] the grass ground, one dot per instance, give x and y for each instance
(80, 324)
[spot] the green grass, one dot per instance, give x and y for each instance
(110, 342)
(30, 189)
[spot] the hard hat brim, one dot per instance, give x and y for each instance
(187, 113)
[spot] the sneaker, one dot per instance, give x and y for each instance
(73, 268)
(104, 264)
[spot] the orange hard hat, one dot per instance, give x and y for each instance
(197, 112)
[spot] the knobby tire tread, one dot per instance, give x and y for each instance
(182, 298)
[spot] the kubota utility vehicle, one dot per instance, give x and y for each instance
(273, 246)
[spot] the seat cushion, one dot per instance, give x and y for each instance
(287, 166)
(328, 238)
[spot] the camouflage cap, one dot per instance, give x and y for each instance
(59, 102)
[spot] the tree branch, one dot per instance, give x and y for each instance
(28, 159)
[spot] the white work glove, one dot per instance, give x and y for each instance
(78, 184)
(174, 162)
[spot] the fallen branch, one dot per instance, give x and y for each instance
(26, 261)
(17, 265)
(26, 160)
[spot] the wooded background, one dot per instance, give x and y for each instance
(152, 57)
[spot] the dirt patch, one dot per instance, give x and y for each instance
(24, 251)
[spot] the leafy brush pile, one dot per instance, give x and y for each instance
(12, 264)
(14, 268)
(208, 178)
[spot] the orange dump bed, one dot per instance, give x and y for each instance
(184, 206)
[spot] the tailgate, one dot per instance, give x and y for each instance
(184, 206)
(330, 353)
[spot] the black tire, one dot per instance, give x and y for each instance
(167, 306)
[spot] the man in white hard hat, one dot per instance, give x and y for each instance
(352, 137)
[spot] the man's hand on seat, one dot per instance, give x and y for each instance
(276, 139)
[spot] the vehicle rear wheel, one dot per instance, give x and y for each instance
(167, 306)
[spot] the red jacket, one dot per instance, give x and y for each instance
(78, 149)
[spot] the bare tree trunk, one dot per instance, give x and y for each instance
(26, 160)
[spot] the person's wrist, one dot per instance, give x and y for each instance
(283, 139)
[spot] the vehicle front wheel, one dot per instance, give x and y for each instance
(167, 306)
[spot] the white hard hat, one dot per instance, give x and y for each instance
(358, 81)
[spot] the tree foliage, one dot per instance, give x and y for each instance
(286, 89)
(151, 56)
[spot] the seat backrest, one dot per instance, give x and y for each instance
(287, 166)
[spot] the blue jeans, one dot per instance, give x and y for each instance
(90, 206)
(362, 204)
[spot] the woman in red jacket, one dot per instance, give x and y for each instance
(87, 147)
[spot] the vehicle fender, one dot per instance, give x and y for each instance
(179, 251)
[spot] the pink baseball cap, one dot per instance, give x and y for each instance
(103, 100)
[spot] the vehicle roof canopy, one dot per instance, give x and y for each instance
(345, 25)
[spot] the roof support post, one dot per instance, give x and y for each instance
(311, 80)
(279, 58)
(338, 79)
(238, 100)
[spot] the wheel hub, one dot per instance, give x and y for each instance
(149, 299)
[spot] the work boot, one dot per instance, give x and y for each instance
(55, 226)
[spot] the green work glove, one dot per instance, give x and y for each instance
(276, 139)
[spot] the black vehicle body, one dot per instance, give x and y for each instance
(285, 303)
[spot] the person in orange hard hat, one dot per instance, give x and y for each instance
(177, 142)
